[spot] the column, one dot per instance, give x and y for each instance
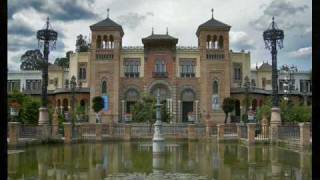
(14, 129)
(304, 134)
(191, 132)
(197, 116)
(55, 124)
(67, 132)
(127, 132)
(123, 111)
(179, 119)
(251, 132)
(239, 130)
(265, 128)
(98, 132)
(220, 131)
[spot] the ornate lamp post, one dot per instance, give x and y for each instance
(273, 37)
(47, 38)
(73, 85)
(158, 146)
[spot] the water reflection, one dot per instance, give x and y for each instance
(215, 161)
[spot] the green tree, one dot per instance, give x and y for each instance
(97, 104)
(265, 109)
(31, 60)
(64, 61)
(228, 106)
(30, 111)
(294, 113)
(145, 109)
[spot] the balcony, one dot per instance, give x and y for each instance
(160, 74)
(104, 54)
(132, 74)
(187, 75)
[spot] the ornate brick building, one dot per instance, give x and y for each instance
(191, 80)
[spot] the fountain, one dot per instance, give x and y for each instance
(158, 140)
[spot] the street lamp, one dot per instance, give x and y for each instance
(273, 37)
(47, 38)
(247, 86)
(73, 85)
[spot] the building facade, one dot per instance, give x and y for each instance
(190, 80)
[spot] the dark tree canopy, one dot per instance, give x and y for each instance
(31, 60)
(64, 61)
(97, 104)
(228, 106)
(81, 44)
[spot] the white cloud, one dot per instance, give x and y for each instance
(301, 53)
(241, 40)
(182, 17)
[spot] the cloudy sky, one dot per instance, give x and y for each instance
(248, 19)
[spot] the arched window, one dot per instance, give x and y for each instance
(264, 83)
(214, 42)
(98, 42)
(111, 42)
(254, 104)
(105, 42)
(104, 87)
(215, 87)
(208, 41)
(58, 103)
(220, 44)
(65, 104)
(188, 95)
(253, 82)
(82, 103)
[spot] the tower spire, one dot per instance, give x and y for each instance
(108, 12)
(47, 22)
(152, 31)
(212, 12)
(167, 30)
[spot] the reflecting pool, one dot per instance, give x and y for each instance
(181, 160)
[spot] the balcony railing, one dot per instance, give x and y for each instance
(160, 74)
(187, 75)
(132, 74)
(104, 54)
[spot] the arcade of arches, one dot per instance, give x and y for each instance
(186, 109)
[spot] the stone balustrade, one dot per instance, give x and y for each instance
(251, 133)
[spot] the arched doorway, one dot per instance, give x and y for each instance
(65, 105)
(254, 104)
(187, 98)
(215, 95)
(237, 107)
(165, 99)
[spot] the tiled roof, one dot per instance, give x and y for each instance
(159, 37)
(107, 23)
(265, 67)
(213, 24)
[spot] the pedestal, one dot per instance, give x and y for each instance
(43, 116)
(55, 124)
(14, 129)
(251, 127)
(275, 115)
(274, 123)
(158, 140)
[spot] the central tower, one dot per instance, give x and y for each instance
(213, 42)
(105, 65)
